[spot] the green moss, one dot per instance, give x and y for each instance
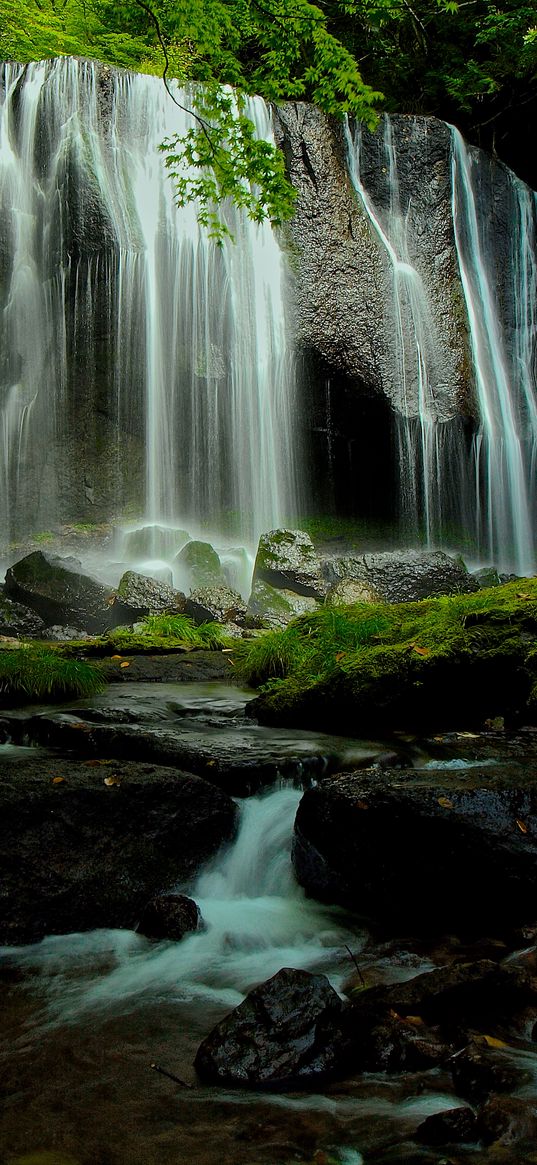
(379, 666)
(156, 634)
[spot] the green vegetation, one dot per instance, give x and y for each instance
(474, 63)
(156, 633)
(402, 665)
(40, 673)
(43, 537)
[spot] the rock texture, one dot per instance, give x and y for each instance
(287, 560)
(400, 576)
(217, 603)
(58, 591)
(139, 595)
(95, 842)
(432, 849)
(344, 282)
(19, 620)
(287, 1032)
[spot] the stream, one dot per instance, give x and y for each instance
(86, 1015)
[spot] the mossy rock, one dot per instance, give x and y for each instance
(276, 607)
(287, 560)
(153, 541)
(200, 565)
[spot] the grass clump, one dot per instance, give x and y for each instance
(400, 665)
(35, 673)
(155, 633)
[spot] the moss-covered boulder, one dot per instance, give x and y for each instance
(198, 565)
(60, 593)
(450, 662)
(275, 607)
(288, 560)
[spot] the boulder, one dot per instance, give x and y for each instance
(286, 1033)
(348, 591)
(220, 604)
(138, 595)
(274, 607)
(60, 593)
(478, 1071)
(434, 849)
(199, 565)
(57, 634)
(169, 916)
(506, 1120)
(18, 620)
(453, 1126)
(94, 842)
(153, 541)
(487, 576)
(402, 576)
(288, 560)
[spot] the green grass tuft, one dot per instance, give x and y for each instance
(35, 673)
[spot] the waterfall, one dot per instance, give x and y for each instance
(505, 361)
(145, 372)
(459, 482)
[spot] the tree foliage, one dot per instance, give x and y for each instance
(474, 61)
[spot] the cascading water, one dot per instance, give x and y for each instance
(132, 345)
(458, 482)
(504, 347)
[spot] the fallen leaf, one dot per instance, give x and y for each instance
(522, 595)
(58, 780)
(116, 657)
(492, 1042)
(468, 735)
(210, 763)
(415, 1020)
(340, 655)
(111, 781)
(93, 763)
(420, 650)
(445, 803)
(523, 828)
(361, 805)
(125, 664)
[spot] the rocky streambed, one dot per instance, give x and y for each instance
(357, 1030)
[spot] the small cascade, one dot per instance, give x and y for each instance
(145, 371)
(502, 310)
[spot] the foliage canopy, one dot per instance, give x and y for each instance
(473, 61)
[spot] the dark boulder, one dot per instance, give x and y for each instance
(18, 620)
(286, 1033)
(94, 842)
(506, 1120)
(169, 916)
(219, 604)
(434, 849)
(478, 1071)
(138, 595)
(402, 576)
(288, 560)
(454, 1126)
(60, 593)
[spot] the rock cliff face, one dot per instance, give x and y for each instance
(369, 260)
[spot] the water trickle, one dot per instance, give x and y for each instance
(129, 335)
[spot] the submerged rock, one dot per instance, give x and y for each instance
(275, 607)
(60, 593)
(478, 1071)
(402, 576)
(454, 1126)
(287, 1032)
(220, 604)
(506, 1120)
(288, 560)
(430, 848)
(139, 595)
(94, 842)
(169, 916)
